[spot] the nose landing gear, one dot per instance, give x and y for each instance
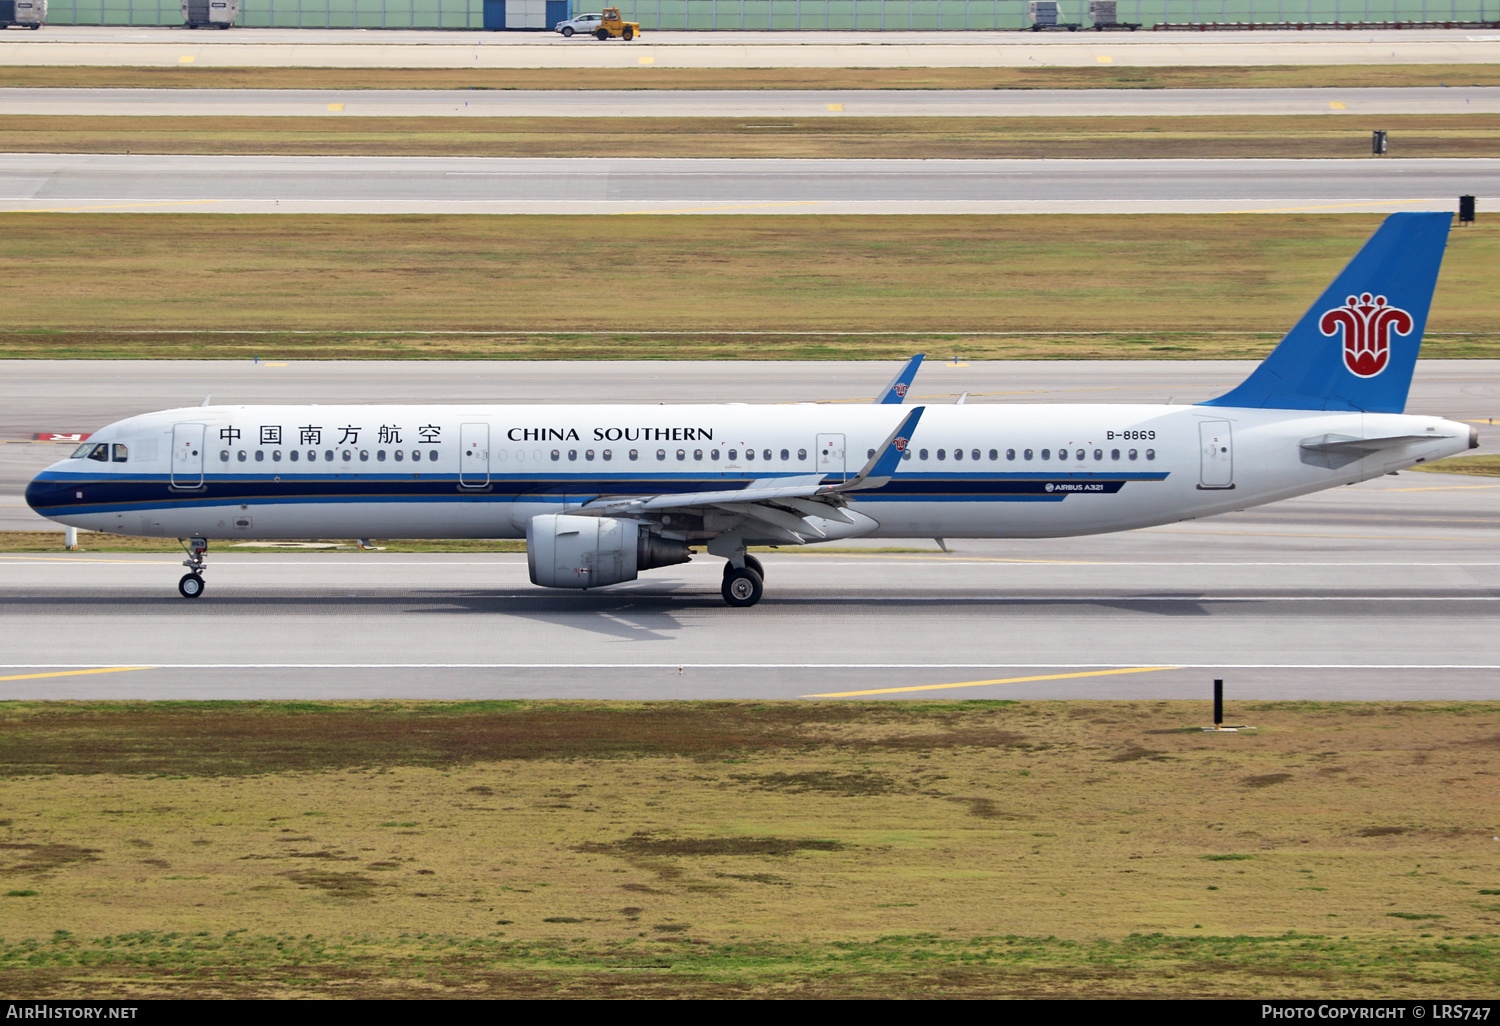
(191, 586)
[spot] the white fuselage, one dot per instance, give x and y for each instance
(271, 472)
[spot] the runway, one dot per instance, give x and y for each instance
(354, 48)
(757, 103)
(483, 185)
(1385, 590)
(1388, 590)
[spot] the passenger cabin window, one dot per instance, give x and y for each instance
(1080, 454)
(588, 454)
(785, 455)
(1010, 454)
(766, 453)
(1028, 454)
(661, 454)
(121, 454)
(276, 455)
(734, 454)
(1131, 454)
(1114, 454)
(942, 454)
(380, 456)
(713, 454)
(749, 454)
(681, 455)
(294, 455)
(1098, 454)
(260, 456)
(635, 454)
(399, 454)
(802, 453)
(958, 454)
(922, 454)
(364, 455)
(223, 456)
(697, 454)
(870, 454)
(608, 455)
(240, 456)
(1046, 454)
(1150, 454)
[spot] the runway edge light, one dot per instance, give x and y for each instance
(1219, 712)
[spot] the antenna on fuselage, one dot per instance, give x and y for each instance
(205, 400)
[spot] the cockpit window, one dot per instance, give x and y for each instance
(100, 453)
(121, 454)
(82, 451)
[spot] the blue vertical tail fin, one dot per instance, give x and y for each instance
(1356, 348)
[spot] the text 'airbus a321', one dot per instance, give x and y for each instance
(601, 493)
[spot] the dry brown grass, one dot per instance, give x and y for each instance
(750, 848)
(1480, 466)
(111, 285)
(656, 77)
(1347, 136)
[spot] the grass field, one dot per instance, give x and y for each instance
(656, 77)
(701, 287)
(745, 849)
(1458, 135)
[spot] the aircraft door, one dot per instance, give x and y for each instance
(831, 456)
(474, 455)
(1216, 446)
(187, 455)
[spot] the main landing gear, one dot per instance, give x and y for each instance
(743, 586)
(191, 586)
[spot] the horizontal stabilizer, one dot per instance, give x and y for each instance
(1335, 451)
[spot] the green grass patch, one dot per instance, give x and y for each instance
(743, 849)
(1287, 136)
(695, 287)
(647, 78)
(1479, 466)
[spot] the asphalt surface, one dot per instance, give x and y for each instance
(143, 46)
(757, 103)
(477, 185)
(1385, 590)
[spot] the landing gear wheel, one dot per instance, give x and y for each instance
(752, 563)
(191, 586)
(742, 587)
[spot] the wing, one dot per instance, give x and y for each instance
(894, 393)
(782, 508)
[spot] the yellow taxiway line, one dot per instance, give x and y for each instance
(77, 673)
(982, 683)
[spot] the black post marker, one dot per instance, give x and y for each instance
(1218, 703)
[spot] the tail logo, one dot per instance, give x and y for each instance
(900, 390)
(900, 444)
(1367, 323)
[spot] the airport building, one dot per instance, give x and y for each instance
(796, 15)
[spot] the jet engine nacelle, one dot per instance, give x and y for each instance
(589, 552)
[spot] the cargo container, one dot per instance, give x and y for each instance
(218, 14)
(30, 14)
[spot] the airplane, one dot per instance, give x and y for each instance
(601, 493)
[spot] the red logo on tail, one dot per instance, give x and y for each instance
(900, 444)
(900, 390)
(1367, 324)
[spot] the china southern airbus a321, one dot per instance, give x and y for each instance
(601, 493)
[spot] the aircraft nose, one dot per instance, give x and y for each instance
(42, 494)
